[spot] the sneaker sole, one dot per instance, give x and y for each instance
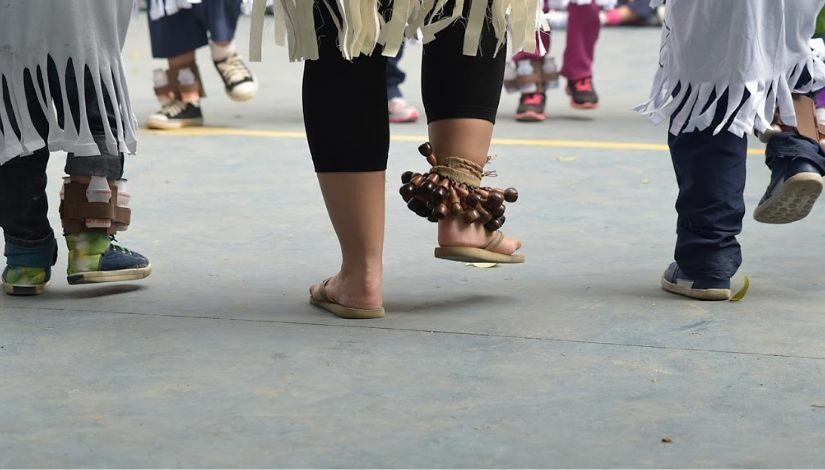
(530, 116)
(176, 124)
(241, 97)
(792, 201)
(404, 120)
(24, 291)
(95, 277)
(698, 294)
(585, 106)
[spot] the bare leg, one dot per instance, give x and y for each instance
(355, 203)
(181, 60)
(468, 139)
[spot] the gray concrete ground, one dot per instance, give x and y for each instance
(573, 359)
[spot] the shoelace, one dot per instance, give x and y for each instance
(583, 85)
(119, 248)
(233, 70)
(174, 108)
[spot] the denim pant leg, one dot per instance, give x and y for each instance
(786, 147)
(220, 17)
(24, 205)
(710, 171)
(395, 76)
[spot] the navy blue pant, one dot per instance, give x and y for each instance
(710, 172)
(395, 76)
(193, 28)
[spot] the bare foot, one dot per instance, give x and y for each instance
(350, 292)
(454, 232)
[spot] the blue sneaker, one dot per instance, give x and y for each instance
(794, 188)
(676, 282)
(95, 258)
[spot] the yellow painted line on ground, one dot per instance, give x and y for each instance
(554, 143)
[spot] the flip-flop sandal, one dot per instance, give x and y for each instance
(466, 254)
(322, 300)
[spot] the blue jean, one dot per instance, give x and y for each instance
(193, 28)
(710, 172)
(395, 76)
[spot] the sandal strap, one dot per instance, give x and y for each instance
(322, 291)
(461, 170)
(498, 237)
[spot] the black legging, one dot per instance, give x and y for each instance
(345, 102)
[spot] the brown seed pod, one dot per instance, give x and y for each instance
(439, 195)
(498, 211)
(432, 217)
(470, 216)
(425, 149)
(433, 178)
(407, 176)
(441, 212)
(407, 192)
(417, 180)
(431, 160)
(492, 225)
(485, 216)
(415, 205)
(472, 200)
(426, 188)
(462, 191)
(494, 200)
(455, 209)
(511, 194)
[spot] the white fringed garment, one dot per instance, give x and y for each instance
(91, 34)
(363, 27)
(713, 46)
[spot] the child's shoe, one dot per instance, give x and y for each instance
(238, 80)
(95, 258)
(675, 281)
(531, 107)
(794, 188)
(582, 94)
(28, 269)
(23, 280)
(176, 115)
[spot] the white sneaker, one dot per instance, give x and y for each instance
(238, 80)
(401, 111)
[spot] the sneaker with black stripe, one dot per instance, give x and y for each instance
(175, 115)
(238, 80)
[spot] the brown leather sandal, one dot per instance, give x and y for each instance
(324, 301)
(485, 254)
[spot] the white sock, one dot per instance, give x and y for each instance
(221, 52)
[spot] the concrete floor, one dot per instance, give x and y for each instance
(575, 359)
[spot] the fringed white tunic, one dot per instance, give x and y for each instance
(89, 32)
(361, 26)
(713, 46)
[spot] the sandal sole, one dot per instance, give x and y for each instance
(349, 313)
(475, 255)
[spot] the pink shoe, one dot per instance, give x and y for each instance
(401, 111)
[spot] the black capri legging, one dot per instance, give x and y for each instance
(345, 102)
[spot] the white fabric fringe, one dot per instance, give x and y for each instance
(711, 47)
(362, 27)
(90, 34)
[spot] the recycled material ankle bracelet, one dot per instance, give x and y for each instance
(452, 187)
